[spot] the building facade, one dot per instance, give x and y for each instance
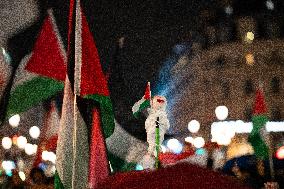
(228, 73)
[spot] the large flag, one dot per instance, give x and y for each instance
(87, 117)
(257, 137)
(143, 103)
(41, 74)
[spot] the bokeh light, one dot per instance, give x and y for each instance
(189, 140)
(6, 143)
(269, 4)
(22, 175)
(280, 153)
(250, 36)
(193, 126)
(30, 149)
(175, 146)
(229, 10)
(200, 151)
(223, 140)
(44, 155)
(21, 142)
(15, 139)
(9, 173)
(48, 156)
(198, 142)
(14, 121)
(250, 59)
(139, 167)
(163, 148)
(8, 165)
(34, 132)
(221, 112)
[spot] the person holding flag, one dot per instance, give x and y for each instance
(258, 137)
(156, 108)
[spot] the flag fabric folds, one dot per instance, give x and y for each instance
(40, 74)
(258, 135)
(87, 117)
(143, 103)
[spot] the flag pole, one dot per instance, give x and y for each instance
(268, 140)
(74, 138)
(157, 143)
(157, 137)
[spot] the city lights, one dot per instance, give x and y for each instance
(21, 142)
(6, 143)
(30, 149)
(269, 4)
(280, 153)
(250, 36)
(48, 156)
(14, 120)
(193, 126)
(34, 132)
(189, 140)
(221, 112)
(8, 165)
(22, 175)
(199, 142)
(163, 148)
(229, 10)
(175, 146)
(222, 132)
(250, 59)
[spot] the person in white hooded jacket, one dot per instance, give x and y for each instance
(157, 110)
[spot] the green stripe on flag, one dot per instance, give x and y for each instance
(142, 107)
(120, 165)
(107, 116)
(31, 93)
(256, 139)
(57, 182)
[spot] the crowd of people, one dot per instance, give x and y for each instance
(36, 180)
(254, 173)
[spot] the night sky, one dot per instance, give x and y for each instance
(151, 29)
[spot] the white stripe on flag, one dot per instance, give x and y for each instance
(137, 105)
(59, 40)
(64, 151)
(78, 48)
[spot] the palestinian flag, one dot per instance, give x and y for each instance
(258, 135)
(49, 131)
(143, 103)
(40, 74)
(87, 117)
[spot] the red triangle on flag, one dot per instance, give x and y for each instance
(98, 164)
(93, 80)
(47, 57)
(147, 94)
(259, 106)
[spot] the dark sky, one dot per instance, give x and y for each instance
(150, 27)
